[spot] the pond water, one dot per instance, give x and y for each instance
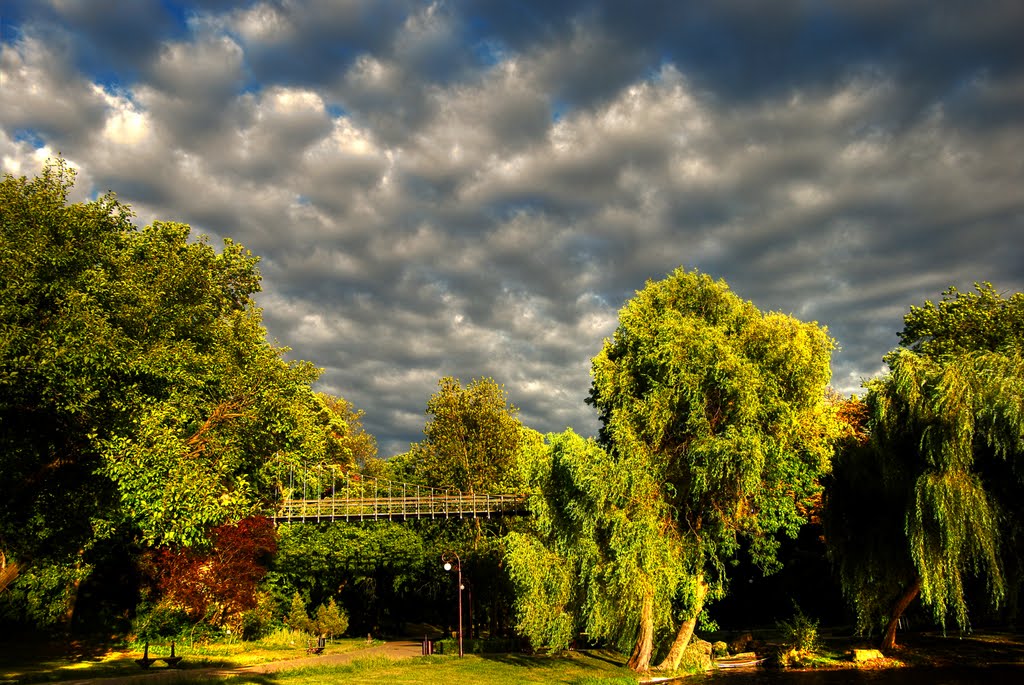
(1008, 674)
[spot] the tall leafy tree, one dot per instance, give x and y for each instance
(598, 558)
(139, 396)
(473, 439)
(932, 499)
(726, 407)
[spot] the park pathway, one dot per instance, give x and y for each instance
(397, 649)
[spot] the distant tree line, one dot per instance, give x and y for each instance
(147, 425)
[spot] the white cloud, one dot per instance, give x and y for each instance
(262, 23)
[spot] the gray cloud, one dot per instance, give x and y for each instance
(457, 190)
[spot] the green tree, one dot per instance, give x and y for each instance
(358, 446)
(473, 439)
(930, 501)
(599, 558)
(726, 407)
(298, 618)
(139, 396)
(330, 619)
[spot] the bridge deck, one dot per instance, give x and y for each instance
(437, 506)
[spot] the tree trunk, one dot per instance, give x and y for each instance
(640, 659)
(675, 655)
(889, 638)
(69, 613)
(8, 572)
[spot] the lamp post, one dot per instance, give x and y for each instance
(452, 562)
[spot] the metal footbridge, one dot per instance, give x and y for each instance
(354, 498)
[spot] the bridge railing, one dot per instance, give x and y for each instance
(360, 498)
(399, 508)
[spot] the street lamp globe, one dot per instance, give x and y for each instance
(447, 566)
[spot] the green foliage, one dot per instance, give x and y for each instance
(298, 618)
(473, 440)
(493, 645)
(331, 621)
(725, 404)
(598, 553)
(716, 425)
(139, 395)
(156, 621)
(261, 619)
(723, 410)
(965, 322)
(935, 494)
(376, 570)
(800, 632)
(43, 595)
(864, 516)
(546, 592)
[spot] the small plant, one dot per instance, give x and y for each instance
(799, 638)
(801, 632)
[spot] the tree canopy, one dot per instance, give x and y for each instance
(714, 417)
(139, 396)
(943, 463)
(472, 441)
(598, 559)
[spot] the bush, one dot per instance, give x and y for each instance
(283, 637)
(490, 645)
(160, 621)
(799, 639)
(260, 620)
(800, 633)
(696, 657)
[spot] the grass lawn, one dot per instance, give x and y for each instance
(53, 663)
(497, 669)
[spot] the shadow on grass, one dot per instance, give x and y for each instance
(580, 658)
(524, 660)
(247, 679)
(602, 657)
(979, 649)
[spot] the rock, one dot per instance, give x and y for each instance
(697, 656)
(866, 655)
(740, 643)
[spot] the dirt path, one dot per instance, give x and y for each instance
(397, 649)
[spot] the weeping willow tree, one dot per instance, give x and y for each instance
(724, 408)
(926, 505)
(601, 557)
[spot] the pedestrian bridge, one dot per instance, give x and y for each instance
(321, 497)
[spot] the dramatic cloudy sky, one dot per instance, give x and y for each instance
(475, 188)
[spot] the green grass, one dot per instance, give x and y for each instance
(35, 664)
(503, 669)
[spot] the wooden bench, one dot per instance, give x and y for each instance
(146, 661)
(318, 647)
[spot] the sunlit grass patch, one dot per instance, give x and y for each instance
(280, 645)
(498, 669)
